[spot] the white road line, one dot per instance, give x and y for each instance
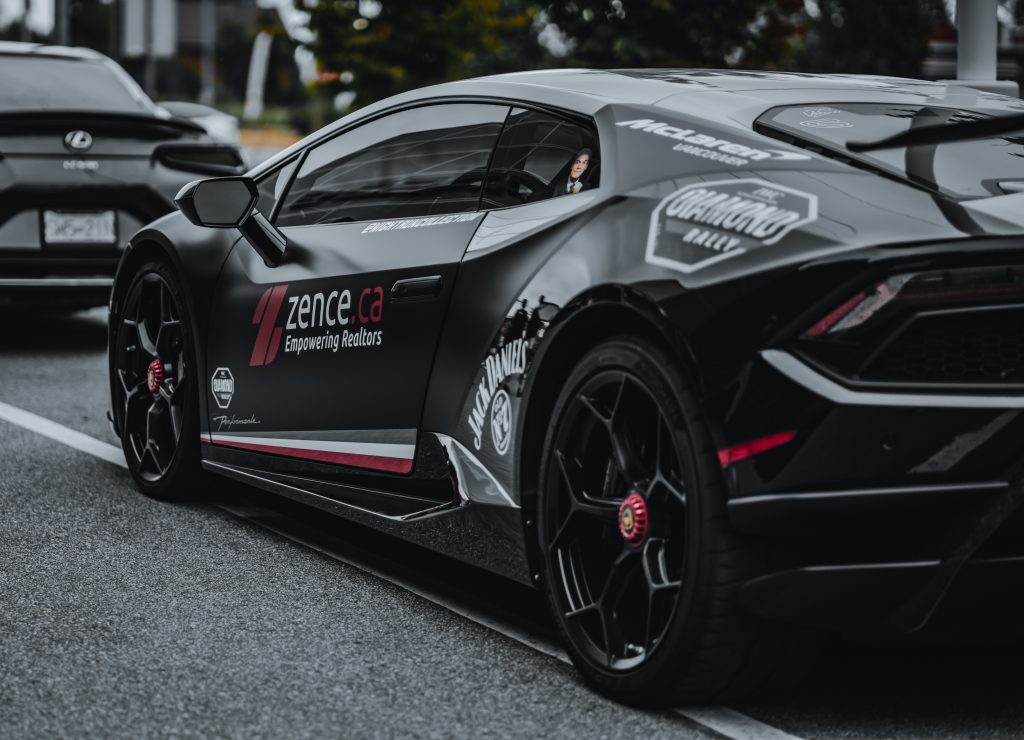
(538, 644)
(62, 434)
(733, 724)
(723, 720)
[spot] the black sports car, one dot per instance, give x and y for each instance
(721, 361)
(86, 159)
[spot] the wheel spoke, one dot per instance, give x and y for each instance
(133, 392)
(655, 567)
(167, 395)
(150, 437)
(150, 452)
(166, 335)
(607, 510)
(619, 576)
(664, 477)
(622, 447)
(624, 450)
(657, 580)
(674, 490)
(146, 341)
(166, 303)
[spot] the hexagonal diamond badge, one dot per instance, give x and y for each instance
(707, 222)
(222, 385)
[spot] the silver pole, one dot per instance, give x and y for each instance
(150, 41)
(208, 41)
(978, 48)
(978, 40)
(62, 21)
(25, 35)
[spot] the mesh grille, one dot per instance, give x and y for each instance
(968, 347)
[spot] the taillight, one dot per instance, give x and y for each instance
(939, 288)
(848, 337)
(206, 160)
(735, 453)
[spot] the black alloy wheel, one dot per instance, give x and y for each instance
(154, 385)
(616, 523)
(642, 569)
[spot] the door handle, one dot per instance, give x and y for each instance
(416, 289)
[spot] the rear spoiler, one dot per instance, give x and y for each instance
(20, 120)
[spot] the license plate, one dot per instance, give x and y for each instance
(88, 227)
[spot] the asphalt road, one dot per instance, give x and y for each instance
(124, 617)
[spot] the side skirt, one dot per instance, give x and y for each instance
(482, 535)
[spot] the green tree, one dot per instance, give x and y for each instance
(758, 34)
(403, 45)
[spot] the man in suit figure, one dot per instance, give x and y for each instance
(579, 167)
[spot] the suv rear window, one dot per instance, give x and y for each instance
(47, 83)
(966, 169)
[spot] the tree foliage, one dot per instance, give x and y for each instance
(404, 44)
(409, 44)
(889, 38)
(669, 33)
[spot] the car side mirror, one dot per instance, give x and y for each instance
(230, 203)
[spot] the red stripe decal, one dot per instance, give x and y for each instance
(266, 332)
(261, 306)
(275, 344)
(376, 462)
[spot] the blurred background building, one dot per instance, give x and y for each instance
(307, 61)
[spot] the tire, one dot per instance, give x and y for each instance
(646, 601)
(158, 416)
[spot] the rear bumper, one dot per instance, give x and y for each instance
(877, 562)
(886, 509)
(59, 283)
(57, 292)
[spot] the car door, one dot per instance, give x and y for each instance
(327, 356)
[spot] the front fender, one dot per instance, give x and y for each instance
(197, 255)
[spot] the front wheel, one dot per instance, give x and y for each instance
(154, 384)
(641, 567)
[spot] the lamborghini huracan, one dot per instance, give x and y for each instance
(720, 361)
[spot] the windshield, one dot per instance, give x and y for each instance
(46, 83)
(967, 169)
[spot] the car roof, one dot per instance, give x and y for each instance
(22, 48)
(650, 85)
(738, 97)
(730, 98)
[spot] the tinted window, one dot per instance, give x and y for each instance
(959, 169)
(33, 83)
(419, 162)
(272, 185)
(542, 156)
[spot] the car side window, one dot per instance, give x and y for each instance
(541, 156)
(271, 186)
(418, 162)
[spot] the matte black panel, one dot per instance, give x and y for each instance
(704, 235)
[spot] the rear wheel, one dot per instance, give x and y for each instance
(642, 568)
(155, 385)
